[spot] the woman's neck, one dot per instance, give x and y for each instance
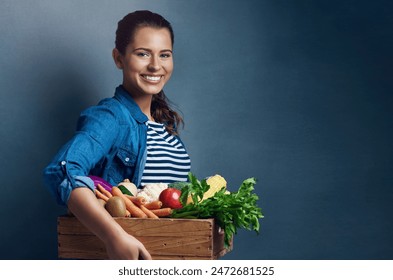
(143, 101)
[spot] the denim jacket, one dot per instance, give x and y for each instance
(110, 142)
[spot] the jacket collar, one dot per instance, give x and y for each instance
(125, 98)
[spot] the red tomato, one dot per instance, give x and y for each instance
(170, 198)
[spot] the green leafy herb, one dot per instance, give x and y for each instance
(231, 210)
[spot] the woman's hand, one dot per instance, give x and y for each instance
(126, 247)
(119, 244)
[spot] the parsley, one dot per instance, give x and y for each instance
(231, 210)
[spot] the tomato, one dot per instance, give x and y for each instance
(170, 198)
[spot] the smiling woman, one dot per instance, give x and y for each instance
(132, 135)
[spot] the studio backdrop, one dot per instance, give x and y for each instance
(297, 94)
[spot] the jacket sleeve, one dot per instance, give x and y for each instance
(96, 132)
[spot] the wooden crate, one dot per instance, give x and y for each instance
(165, 239)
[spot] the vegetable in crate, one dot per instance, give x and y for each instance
(128, 187)
(99, 181)
(151, 192)
(216, 183)
(116, 206)
(170, 197)
(231, 210)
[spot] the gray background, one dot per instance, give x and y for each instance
(295, 93)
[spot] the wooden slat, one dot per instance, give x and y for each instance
(81, 247)
(219, 248)
(191, 246)
(167, 227)
(145, 227)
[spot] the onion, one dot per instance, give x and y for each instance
(129, 186)
(98, 180)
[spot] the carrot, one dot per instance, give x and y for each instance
(101, 195)
(156, 204)
(104, 191)
(134, 210)
(117, 192)
(148, 212)
(163, 212)
(138, 200)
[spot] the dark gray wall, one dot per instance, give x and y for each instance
(295, 93)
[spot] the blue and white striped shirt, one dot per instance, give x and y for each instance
(167, 160)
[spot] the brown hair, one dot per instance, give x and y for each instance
(161, 111)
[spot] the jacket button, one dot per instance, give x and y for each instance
(63, 162)
(127, 159)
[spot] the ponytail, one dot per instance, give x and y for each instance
(162, 113)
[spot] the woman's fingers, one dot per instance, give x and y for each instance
(144, 254)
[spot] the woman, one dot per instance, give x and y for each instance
(131, 135)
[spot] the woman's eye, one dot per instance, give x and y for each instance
(143, 54)
(165, 55)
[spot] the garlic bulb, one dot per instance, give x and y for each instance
(151, 192)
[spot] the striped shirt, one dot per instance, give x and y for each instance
(167, 160)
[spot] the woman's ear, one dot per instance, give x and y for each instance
(117, 58)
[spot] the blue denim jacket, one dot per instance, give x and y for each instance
(110, 142)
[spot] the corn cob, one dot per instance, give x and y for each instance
(216, 183)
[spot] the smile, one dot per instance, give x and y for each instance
(152, 78)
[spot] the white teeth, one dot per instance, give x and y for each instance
(152, 78)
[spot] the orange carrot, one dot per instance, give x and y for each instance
(101, 195)
(134, 210)
(163, 212)
(138, 200)
(104, 191)
(148, 212)
(117, 192)
(156, 204)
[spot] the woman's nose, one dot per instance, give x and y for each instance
(154, 64)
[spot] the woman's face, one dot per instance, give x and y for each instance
(147, 64)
